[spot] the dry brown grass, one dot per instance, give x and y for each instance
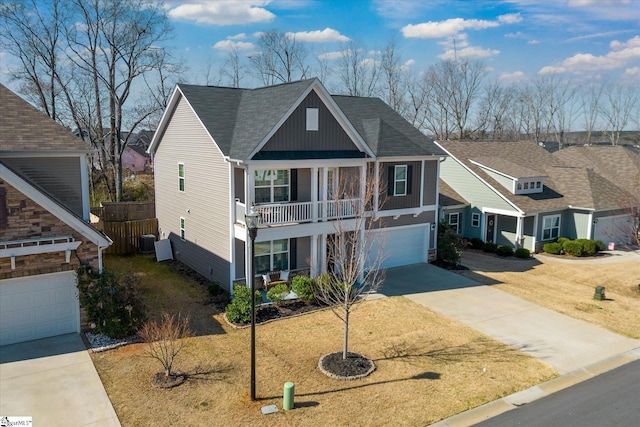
(568, 288)
(428, 368)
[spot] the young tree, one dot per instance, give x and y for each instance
(166, 339)
(355, 251)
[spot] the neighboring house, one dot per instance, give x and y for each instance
(519, 194)
(44, 230)
(219, 150)
(136, 159)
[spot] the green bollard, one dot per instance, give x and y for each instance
(288, 396)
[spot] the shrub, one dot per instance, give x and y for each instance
(323, 280)
(165, 339)
(573, 247)
(600, 245)
(278, 292)
(589, 246)
(523, 253)
(112, 301)
(304, 287)
(489, 247)
(239, 309)
(552, 248)
(504, 251)
(476, 243)
(449, 244)
(561, 240)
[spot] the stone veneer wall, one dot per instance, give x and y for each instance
(28, 220)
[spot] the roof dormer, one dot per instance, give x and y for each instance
(514, 177)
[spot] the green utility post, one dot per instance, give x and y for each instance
(288, 396)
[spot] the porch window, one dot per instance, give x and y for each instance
(272, 186)
(454, 222)
(550, 227)
(475, 220)
(273, 255)
(400, 180)
(182, 229)
(181, 176)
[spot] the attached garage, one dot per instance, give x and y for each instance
(614, 229)
(37, 307)
(401, 245)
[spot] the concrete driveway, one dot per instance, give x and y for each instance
(54, 382)
(565, 343)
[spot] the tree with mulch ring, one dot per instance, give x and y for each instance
(165, 340)
(353, 367)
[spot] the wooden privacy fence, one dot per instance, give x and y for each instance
(126, 234)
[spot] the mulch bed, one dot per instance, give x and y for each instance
(353, 367)
(161, 380)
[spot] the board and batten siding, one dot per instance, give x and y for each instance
(205, 202)
(470, 187)
(410, 200)
(430, 183)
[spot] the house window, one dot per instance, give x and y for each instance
(475, 220)
(272, 186)
(181, 176)
(454, 222)
(273, 255)
(182, 229)
(526, 185)
(538, 184)
(312, 119)
(550, 227)
(400, 180)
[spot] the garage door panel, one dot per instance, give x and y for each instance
(38, 307)
(401, 246)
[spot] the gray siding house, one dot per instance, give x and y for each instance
(519, 194)
(284, 148)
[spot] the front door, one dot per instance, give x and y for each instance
(491, 228)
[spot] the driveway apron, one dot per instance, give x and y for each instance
(54, 382)
(565, 343)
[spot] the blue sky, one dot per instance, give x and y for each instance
(517, 39)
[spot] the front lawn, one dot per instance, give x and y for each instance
(428, 367)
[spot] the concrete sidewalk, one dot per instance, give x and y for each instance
(53, 380)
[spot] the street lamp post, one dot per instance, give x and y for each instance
(251, 220)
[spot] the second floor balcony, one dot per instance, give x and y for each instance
(301, 212)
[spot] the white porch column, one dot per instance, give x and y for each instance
(313, 262)
(376, 193)
(519, 231)
(323, 253)
(363, 185)
(535, 233)
(314, 194)
(325, 179)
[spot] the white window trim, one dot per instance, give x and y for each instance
(475, 220)
(181, 178)
(457, 223)
(272, 253)
(272, 186)
(313, 119)
(544, 220)
(183, 228)
(396, 180)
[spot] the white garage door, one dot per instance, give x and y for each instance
(38, 307)
(401, 245)
(616, 229)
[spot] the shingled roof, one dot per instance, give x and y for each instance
(240, 119)
(25, 129)
(566, 184)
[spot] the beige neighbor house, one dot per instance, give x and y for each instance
(284, 148)
(519, 194)
(44, 230)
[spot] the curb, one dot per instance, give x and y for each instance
(507, 403)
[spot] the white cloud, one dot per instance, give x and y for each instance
(634, 71)
(319, 36)
(448, 28)
(223, 12)
(329, 56)
(515, 35)
(510, 18)
(233, 45)
(471, 52)
(516, 75)
(621, 54)
(240, 36)
(533, 41)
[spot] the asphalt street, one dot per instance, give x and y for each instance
(610, 399)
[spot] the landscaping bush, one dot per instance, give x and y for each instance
(552, 248)
(239, 309)
(573, 247)
(561, 240)
(523, 253)
(504, 251)
(489, 247)
(476, 243)
(277, 293)
(449, 244)
(600, 245)
(589, 246)
(304, 287)
(112, 301)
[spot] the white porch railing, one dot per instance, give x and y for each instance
(301, 212)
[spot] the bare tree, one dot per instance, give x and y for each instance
(358, 71)
(494, 118)
(560, 107)
(590, 107)
(233, 69)
(165, 339)
(355, 250)
(281, 58)
(394, 77)
(617, 108)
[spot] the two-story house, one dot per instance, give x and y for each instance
(44, 223)
(284, 148)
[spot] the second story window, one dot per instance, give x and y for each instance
(400, 180)
(181, 176)
(272, 186)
